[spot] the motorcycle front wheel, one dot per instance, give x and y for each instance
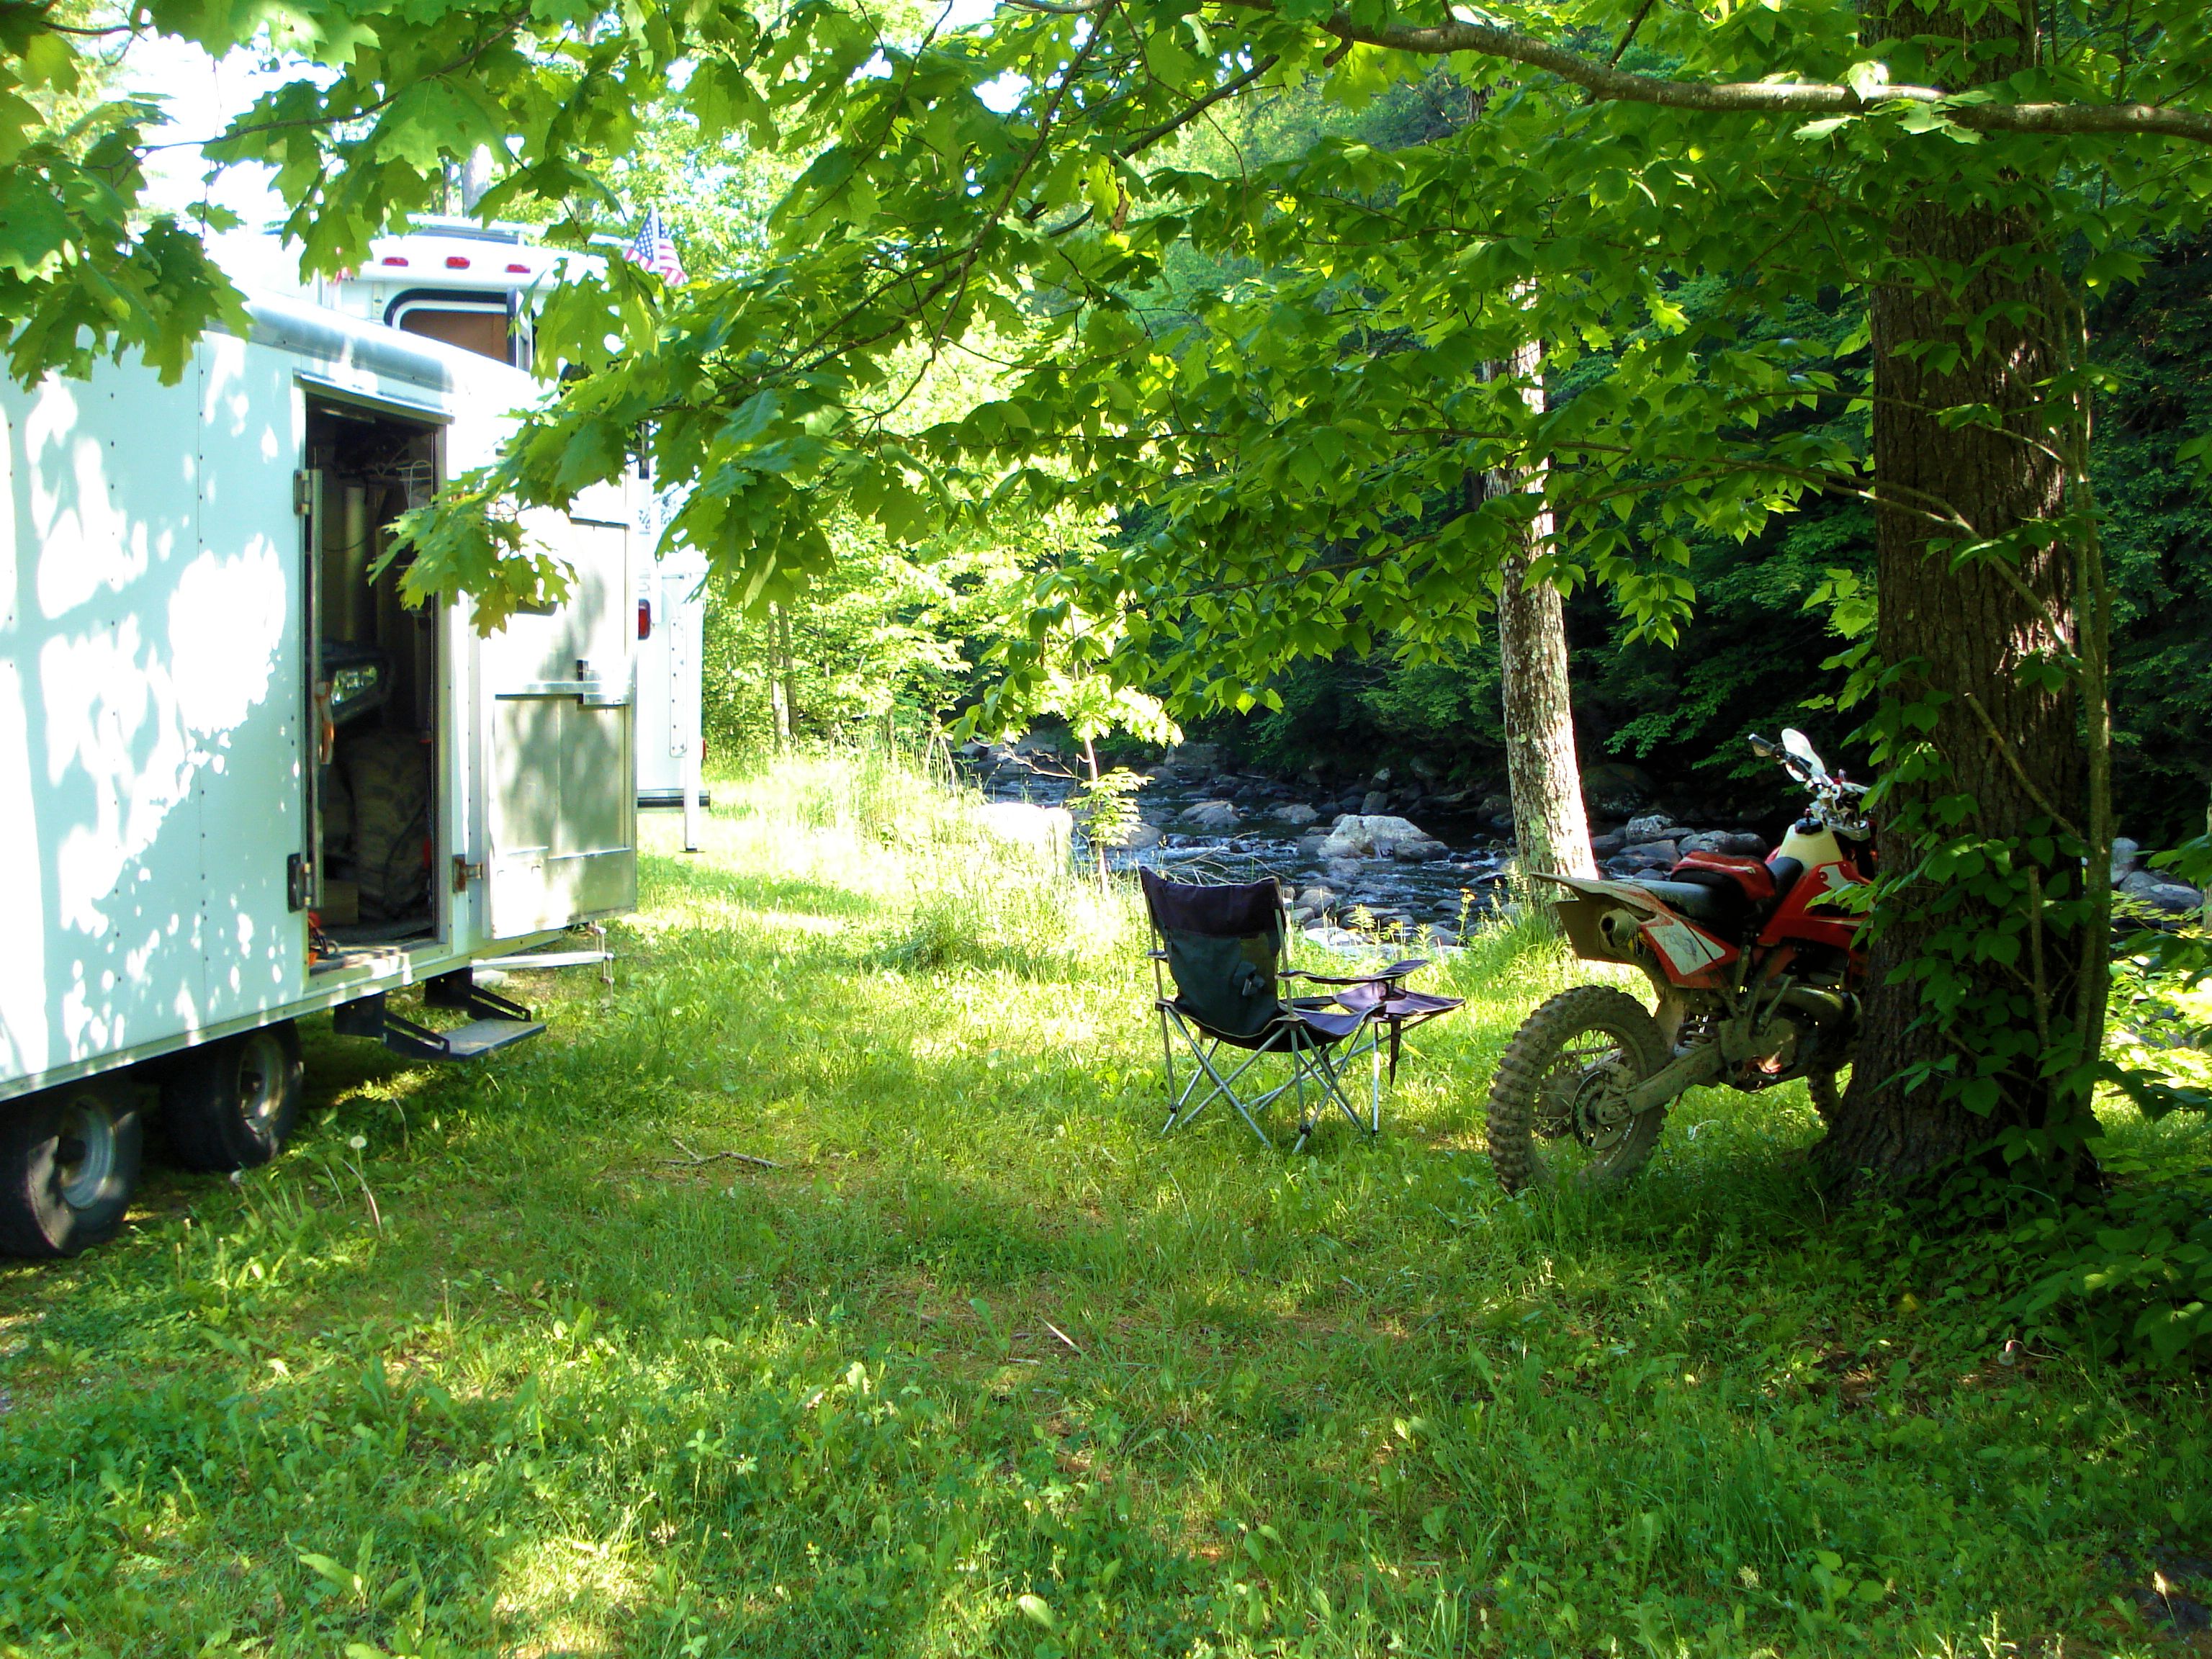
(1559, 1105)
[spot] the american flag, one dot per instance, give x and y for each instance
(655, 249)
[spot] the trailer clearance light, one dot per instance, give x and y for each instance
(393, 259)
(645, 619)
(518, 271)
(456, 262)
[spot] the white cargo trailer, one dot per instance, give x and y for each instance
(240, 781)
(672, 639)
(478, 287)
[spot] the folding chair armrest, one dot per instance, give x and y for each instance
(1394, 972)
(1156, 956)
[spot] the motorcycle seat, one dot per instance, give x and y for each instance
(1720, 905)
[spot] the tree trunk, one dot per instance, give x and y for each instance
(779, 675)
(1955, 641)
(1549, 823)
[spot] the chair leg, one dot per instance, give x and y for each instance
(1374, 1081)
(1224, 1087)
(1167, 1058)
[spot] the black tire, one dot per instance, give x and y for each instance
(230, 1105)
(1559, 1082)
(68, 1162)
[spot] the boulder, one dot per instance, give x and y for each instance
(1372, 803)
(1424, 768)
(2161, 892)
(1606, 846)
(1494, 805)
(1617, 789)
(1318, 896)
(1210, 818)
(1044, 832)
(2127, 858)
(1649, 855)
(1371, 835)
(1298, 815)
(1741, 842)
(1134, 838)
(1381, 777)
(1198, 758)
(1652, 826)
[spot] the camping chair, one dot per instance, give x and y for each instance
(1223, 948)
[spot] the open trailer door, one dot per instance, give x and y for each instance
(558, 720)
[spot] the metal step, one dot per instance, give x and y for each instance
(367, 1017)
(481, 1037)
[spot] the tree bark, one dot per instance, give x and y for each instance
(1954, 637)
(779, 675)
(1550, 825)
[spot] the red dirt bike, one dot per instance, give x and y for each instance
(1758, 973)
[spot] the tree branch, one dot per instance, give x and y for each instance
(1608, 84)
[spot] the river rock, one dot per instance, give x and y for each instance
(2127, 858)
(1043, 831)
(1298, 815)
(1649, 856)
(1210, 817)
(2162, 892)
(1136, 837)
(1617, 789)
(1318, 896)
(1198, 758)
(1607, 845)
(1376, 835)
(1372, 803)
(1739, 842)
(1652, 826)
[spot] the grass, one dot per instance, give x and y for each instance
(979, 1365)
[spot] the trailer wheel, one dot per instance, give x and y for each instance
(68, 1162)
(230, 1105)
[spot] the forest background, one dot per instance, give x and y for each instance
(902, 638)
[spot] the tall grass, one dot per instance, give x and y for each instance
(826, 1289)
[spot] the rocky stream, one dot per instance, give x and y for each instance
(1397, 855)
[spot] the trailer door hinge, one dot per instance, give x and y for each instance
(299, 881)
(303, 493)
(465, 873)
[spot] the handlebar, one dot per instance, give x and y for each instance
(1830, 794)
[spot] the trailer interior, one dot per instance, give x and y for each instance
(375, 695)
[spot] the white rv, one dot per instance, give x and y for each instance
(240, 781)
(478, 287)
(671, 642)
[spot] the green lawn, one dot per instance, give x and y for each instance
(984, 1365)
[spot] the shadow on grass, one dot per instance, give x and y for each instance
(581, 1381)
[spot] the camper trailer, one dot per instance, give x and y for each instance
(240, 782)
(672, 639)
(476, 287)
